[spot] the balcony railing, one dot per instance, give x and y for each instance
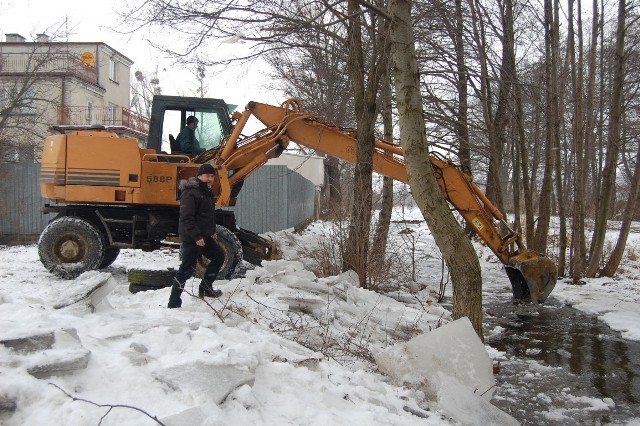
(47, 63)
(107, 116)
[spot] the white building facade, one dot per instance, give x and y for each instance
(45, 84)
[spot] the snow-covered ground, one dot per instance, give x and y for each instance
(281, 346)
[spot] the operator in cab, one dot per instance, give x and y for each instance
(187, 137)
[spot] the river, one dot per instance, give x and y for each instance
(559, 365)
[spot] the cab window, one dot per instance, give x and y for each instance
(209, 134)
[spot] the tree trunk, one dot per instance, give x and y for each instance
(546, 193)
(456, 248)
(333, 194)
(379, 245)
(365, 94)
(613, 263)
(578, 248)
(523, 156)
(613, 148)
(461, 123)
(497, 135)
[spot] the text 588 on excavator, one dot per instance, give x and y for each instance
(110, 194)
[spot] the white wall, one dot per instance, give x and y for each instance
(310, 167)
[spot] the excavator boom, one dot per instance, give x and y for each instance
(532, 274)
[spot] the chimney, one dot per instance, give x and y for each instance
(42, 38)
(15, 38)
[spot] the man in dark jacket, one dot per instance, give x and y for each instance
(187, 137)
(197, 230)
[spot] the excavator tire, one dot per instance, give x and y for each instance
(69, 246)
(230, 245)
(156, 279)
(110, 255)
(135, 288)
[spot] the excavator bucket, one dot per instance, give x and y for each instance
(532, 275)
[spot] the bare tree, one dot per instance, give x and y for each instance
(366, 72)
(146, 85)
(551, 123)
(613, 145)
(316, 77)
(456, 248)
(29, 90)
(381, 235)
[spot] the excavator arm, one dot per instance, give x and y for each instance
(532, 274)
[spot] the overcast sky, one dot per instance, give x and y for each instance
(93, 21)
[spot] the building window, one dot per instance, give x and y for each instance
(113, 70)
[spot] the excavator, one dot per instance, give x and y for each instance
(108, 193)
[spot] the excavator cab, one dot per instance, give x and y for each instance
(169, 116)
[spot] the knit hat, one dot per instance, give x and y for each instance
(206, 168)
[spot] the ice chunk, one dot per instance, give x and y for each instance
(457, 401)
(57, 362)
(92, 287)
(27, 344)
(216, 381)
(453, 349)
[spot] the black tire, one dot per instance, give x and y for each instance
(151, 278)
(135, 288)
(69, 246)
(232, 249)
(110, 255)
(231, 268)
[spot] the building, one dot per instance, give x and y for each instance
(46, 83)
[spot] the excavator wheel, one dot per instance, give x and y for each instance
(141, 280)
(110, 256)
(69, 246)
(232, 249)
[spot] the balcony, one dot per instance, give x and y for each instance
(106, 116)
(50, 63)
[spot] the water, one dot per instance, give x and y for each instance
(562, 366)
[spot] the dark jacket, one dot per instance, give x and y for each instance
(197, 211)
(187, 140)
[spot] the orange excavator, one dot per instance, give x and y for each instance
(110, 194)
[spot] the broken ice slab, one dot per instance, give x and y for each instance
(58, 362)
(215, 381)
(453, 349)
(91, 288)
(28, 344)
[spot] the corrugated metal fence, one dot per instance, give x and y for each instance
(272, 199)
(275, 198)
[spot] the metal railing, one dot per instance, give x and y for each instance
(107, 116)
(47, 63)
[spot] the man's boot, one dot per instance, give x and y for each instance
(205, 290)
(176, 291)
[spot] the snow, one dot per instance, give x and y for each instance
(281, 346)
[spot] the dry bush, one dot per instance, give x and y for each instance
(387, 274)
